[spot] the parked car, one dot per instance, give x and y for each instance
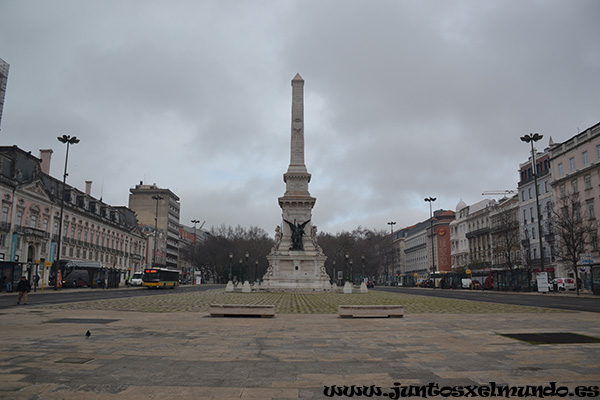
(136, 279)
(563, 284)
(370, 284)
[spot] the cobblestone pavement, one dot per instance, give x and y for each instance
(167, 347)
(303, 303)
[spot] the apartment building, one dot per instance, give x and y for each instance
(575, 167)
(30, 200)
(157, 211)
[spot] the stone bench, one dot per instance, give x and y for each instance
(379, 311)
(242, 310)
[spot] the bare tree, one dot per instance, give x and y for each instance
(576, 233)
(505, 231)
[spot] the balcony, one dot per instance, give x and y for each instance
(35, 233)
(478, 232)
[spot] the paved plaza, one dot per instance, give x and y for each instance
(160, 353)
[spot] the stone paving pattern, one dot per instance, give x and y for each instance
(302, 303)
(186, 354)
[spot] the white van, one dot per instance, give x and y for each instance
(136, 279)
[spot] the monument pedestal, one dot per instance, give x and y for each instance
(229, 287)
(296, 271)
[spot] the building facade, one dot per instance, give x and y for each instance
(91, 230)
(157, 211)
(459, 244)
(575, 167)
(536, 245)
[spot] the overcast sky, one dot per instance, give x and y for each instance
(403, 99)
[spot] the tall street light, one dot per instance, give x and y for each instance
(362, 259)
(391, 224)
(347, 266)
(430, 200)
(157, 198)
(534, 137)
(230, 266)
(246, 266)
(194, 221)
(68, 140)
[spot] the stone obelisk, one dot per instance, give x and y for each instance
(296, 262)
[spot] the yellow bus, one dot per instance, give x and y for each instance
(160, 278)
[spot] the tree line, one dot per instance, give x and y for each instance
(241, 252)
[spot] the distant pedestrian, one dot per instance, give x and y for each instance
(36, 281)
(23, 288)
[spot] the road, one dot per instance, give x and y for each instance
(50, 296)
(563, 301)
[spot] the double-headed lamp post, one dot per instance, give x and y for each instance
(530, 138)
(391, 224)
(430, 200)
(157, 198)
(68, 140)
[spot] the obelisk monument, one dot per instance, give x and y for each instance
(296, 262)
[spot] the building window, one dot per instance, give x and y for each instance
(572, 163)
(4, 213)
(530, 194)
(590, 209)
(585, 158)
(523, 195)
(533, 233)
(587, 181)
(33, 221)
(561, 172)
(598, 151)
(563, 190)
(19, 221)
(574, 186)
(45, 224)
(531, 214)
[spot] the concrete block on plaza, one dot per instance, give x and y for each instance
(246, 287)
(348, 287)
(242, 310)
(229, 287)
(372, 310)
(363, 288)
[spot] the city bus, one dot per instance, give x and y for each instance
(160, 277)
(77, 273)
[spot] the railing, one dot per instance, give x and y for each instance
(35, 232)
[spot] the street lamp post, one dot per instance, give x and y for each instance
(334, 273)
(534, 137)
(157, 198)
(362, 259)
(255, 271)
(194, 221)
(430, 200)
(68, 140)
(391, 224)
(347, 266)
(351, 272)
(230, 266)
(247, 255)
